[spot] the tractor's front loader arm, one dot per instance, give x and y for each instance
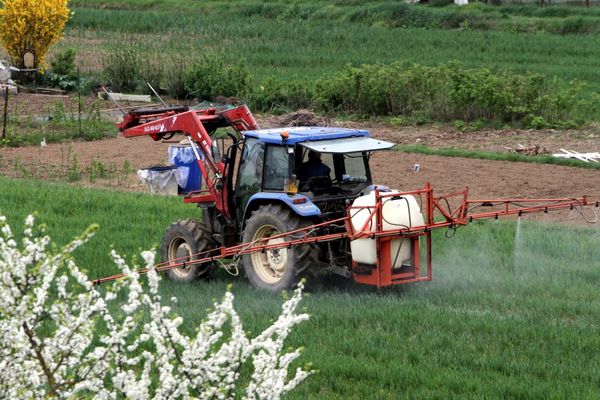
(198, 125)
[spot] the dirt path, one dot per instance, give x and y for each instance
(498, 140)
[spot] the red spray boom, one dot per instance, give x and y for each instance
(438, 212)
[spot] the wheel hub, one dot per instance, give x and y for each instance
(271, 264)
(277, 258)
(180, 251)
(183, 252)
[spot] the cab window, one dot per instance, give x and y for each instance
(276, 167)
(251, 167)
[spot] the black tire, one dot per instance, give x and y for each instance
(279, 269)
(181, 241)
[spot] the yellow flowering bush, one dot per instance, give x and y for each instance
(31, 26)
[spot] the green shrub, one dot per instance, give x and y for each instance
(63, 62)
(90, 83)
(440, 3)
(276, 95)
(450, 92)
(395, 89)
(62, 73)
(577, 25)
(152, 71)
(210, 77)
(175, 82)
(121, 69)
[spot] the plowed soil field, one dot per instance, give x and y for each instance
(487, 179)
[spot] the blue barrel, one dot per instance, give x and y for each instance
(184, 158)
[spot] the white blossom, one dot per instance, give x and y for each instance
(50, 314)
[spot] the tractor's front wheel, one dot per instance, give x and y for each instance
(182, 242)
(281, 268)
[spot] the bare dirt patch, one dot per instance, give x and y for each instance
(499, 140)
(32, 105)
(37, 105)
(395, 169)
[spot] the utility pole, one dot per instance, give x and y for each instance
(79, 100)
(5, 120)
(4, 78)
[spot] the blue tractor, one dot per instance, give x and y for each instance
(261, 183)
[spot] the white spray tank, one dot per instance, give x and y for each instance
(398, 212)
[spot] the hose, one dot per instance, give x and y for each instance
(588, 220)
(233, 265)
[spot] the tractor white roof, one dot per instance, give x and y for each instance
(347, 145)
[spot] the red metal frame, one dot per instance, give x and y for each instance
(192, 123)
(438, 214)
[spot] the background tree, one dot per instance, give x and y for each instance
(31, 26)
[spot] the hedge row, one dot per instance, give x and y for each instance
(416, 93)
(421, 94)
(450, 92)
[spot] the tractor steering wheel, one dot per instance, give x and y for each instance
(320, 184)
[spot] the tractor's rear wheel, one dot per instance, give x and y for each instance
(282, 268)
(182, 241)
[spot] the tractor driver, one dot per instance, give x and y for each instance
(313, 167)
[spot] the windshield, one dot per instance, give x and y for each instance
(330, 173)
(355, 171)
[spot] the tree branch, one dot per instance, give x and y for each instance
(40, 357)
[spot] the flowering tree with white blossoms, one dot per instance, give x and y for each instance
(50, 345)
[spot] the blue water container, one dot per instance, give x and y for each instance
(184, 158)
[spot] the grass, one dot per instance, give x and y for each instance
(70, 210)
(495, 156)
(285, 48)
(513, 311)
(396, 14)
(311, 39)
(299, 43)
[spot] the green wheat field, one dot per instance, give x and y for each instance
(513, 311)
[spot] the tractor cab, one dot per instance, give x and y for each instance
(336, 166)
(313, 170)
